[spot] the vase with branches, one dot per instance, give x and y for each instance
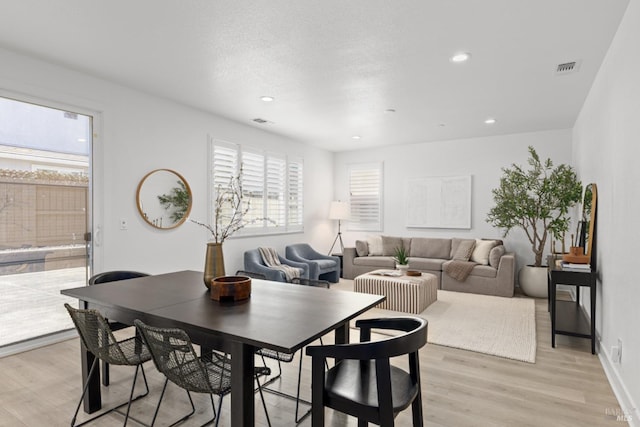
(230, 211)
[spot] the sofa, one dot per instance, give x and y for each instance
(492, 274)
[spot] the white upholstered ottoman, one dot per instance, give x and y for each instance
(411, 294)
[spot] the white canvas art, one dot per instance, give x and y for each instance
(438, 202)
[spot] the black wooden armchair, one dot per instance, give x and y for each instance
(363, 383)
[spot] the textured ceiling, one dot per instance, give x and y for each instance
(335, 66)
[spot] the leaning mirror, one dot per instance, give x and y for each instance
(164, 198)
(589, 205)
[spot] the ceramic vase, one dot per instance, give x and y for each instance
(213, 263)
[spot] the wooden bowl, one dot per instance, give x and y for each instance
(414, 273)
(230, 288)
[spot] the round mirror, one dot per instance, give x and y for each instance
(164, 198)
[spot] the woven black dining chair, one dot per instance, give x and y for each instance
(107, 277)
(174, 356)
(288, 357)
(363, 383)
(98, 338)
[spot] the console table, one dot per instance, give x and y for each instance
(567, 317)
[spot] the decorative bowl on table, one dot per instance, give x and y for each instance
(413, 273)
(230, 288)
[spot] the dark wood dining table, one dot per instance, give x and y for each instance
(278, 316)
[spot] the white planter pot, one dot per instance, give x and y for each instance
(533, 281)
(403, 268)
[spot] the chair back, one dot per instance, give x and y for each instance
(173, 355)
(114, 276)
(96, 335)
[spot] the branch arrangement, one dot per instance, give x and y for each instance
(229, 210)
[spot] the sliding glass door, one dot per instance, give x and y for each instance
(45, 244)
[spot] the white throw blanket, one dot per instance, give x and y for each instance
(271, 259)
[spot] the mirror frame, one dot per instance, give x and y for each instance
(139, 204)
(592, 218)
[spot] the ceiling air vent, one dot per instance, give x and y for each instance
(260, 121)
(567, 68)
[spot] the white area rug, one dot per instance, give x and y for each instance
(504, 327)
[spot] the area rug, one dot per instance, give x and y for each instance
(498, 326)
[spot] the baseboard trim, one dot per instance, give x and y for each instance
(630, 411)
(31, 344)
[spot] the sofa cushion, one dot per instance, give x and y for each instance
(389, 245)
(481, 252)
(375, 245)
(406, 242)
(495, 255)
(375, 261)
(426, 247)
(433, 264)
(362, 248)
(478, 270)
(464, 250)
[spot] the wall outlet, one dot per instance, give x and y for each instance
(123, 224)
(616, 352)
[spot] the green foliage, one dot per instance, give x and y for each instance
(177, 201)
(537, 200)
(401, 255)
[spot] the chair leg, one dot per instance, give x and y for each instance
(115, 408)
(416, 409)
(275, 377)
(155, 414)
(264, 404)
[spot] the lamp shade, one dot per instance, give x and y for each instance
(339, 210)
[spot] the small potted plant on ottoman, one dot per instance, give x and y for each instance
(402, 259)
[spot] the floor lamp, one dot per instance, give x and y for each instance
(340, 211)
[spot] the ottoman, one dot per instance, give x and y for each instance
(410, 294)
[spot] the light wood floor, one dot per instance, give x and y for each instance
(565, 387)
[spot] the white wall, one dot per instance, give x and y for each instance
(138, 133)
(606, 141)
(483, 158)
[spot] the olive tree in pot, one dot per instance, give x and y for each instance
(538, 201)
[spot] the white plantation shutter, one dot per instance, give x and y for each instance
(365, 196)
(224, 167)
(276, 179)
(253, 187)
(294, 201)
(272, 186)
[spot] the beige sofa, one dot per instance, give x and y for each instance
(431, 255)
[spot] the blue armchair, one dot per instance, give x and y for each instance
(321, 267)
(253, 263)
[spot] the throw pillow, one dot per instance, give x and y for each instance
(375, 245)
(464, 250)
(481, 251)
(389, 245)
(495, 255)
(362, 248)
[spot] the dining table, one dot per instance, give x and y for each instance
(278, 316)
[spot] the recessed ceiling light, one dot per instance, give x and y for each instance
(441, 125)
(356, 137)
(389, 110)
(267, 98)
(82, 139)
(461, 57)
(490, 121)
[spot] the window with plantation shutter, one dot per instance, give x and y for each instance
(276, 178)
(294, 197)
(253, 188)
(365, 197)
(272, 186)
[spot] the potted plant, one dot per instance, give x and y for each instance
(402, 259)
(536, 200)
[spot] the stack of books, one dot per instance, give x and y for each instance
(568, 266)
